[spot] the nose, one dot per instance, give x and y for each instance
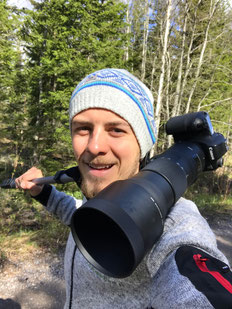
(97, 143)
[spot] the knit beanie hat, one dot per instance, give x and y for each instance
(122, 93)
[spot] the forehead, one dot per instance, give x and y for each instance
(99, 115)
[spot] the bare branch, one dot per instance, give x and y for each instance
(216, 102)
(222, 122)
(212, 11)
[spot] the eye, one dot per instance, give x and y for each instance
(81, 130)
(117, 132)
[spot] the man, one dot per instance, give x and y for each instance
(112, 128)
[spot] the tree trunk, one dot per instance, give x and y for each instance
(145, 38)
(180, 71)
(212, 11)
(188, 62)
(163, 63)
(128, 30)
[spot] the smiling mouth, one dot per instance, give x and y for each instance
(100, 166)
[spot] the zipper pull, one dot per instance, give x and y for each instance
(199, 258)
(203, 259)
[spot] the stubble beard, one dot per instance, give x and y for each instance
(91, 187)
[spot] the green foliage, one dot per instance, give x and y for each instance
(212, 191)
(64, 41)
(27, 225)
(13, 94)
(46, 51)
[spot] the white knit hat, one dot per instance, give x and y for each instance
(122, 93)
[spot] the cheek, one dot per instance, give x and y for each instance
(127, 151)
(79, 146)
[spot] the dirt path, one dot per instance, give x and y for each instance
(37, 282)
(34, 283)
(222, 227)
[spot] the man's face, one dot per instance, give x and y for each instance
(105, 147)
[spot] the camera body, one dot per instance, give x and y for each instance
(115, 229)
(197, 128)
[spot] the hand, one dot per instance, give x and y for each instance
(24, 181)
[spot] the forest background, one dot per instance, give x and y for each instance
(181, 49)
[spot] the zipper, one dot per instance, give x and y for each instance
(201, 264)
(71, 283)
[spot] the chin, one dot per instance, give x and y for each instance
(90, 190)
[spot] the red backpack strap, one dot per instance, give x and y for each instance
(209, 275)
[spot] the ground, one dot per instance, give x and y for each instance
(36, 281)
(221, 224)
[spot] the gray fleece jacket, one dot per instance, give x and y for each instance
(156, 283)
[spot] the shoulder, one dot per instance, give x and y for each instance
(184, 217)
(183, 226)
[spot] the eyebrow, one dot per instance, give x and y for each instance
(113, 123)
(80, 122)
(118, 123)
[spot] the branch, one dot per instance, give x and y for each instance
(226, 123)
(216, 102)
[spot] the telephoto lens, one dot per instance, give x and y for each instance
(115, 229)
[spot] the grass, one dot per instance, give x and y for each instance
(212, 191)
(26, 227)
(212, 203)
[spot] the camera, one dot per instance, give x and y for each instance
(119, 226)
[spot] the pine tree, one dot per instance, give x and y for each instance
(64, 41)
(13, 90)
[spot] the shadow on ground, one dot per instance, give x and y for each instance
(49, 296)
(9, 303)
(36, 283)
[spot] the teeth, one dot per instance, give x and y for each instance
(99, 167)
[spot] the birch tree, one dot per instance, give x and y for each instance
(212, 9)
(145, 38)
(177, 95)
(165, 37)
(128, 29)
